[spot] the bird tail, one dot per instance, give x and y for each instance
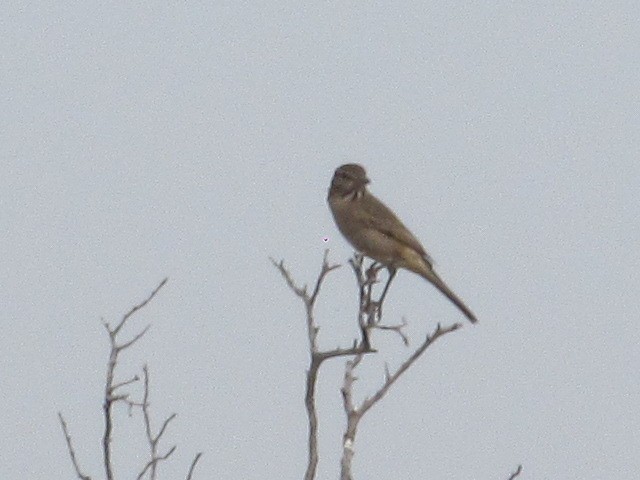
(433, 278)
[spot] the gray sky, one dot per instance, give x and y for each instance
(196, 139)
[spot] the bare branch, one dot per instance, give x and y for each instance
(349, 379)
(355, 413)
(516, 473)
(72, 452)
(151, 439)
(316, 355)
(370, 312)
(369, 318)
(309, 300)
(111, 397)
(392, 378)
(326, 268)
(133, 379)
(300, 291)
(134, 339)
(165, 425)
(110, 385)
(312, 416)
(398, 328)
(193, 465)
(153, 462)
(369, 315)
(357, 349)
(139, 306)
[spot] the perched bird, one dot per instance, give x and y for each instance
(374, 230)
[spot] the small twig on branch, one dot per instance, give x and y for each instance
(72, 452)
(516, 473)
(355, 413)
(317, 356)
(309, 300)
(110, 386)
(369, 314)
(193, 465)
(153, 440)
(139, 306)
(438, 332)
(152, 463)
(133, 379)
(113, 394)
(396, 328)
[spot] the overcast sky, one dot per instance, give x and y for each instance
(195, 139)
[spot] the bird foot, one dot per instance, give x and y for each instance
(374, 312)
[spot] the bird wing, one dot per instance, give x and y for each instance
(380, 217)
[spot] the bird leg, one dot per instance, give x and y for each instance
(366, 344)
(392, 273)
(372, 272)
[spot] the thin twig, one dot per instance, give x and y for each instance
(193, 465)
(396, 328)
(134, 339)
(153, 462)
(316, 355)
(369, 317)
(139, 306)
(133, 379)
(72, 452)
(516, 473)
(110, 386)
(111, 397)
(152, 439)
(392, 378)
(356, 412)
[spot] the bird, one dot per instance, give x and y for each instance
(375, 231)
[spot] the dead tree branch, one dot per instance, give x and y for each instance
(72, 452)
(110, 396)
(317, 356)
(193, 465)
(355, 412)
(370, 317)
(370, 312)
(113, 394)
(152, 439)
(516, 473)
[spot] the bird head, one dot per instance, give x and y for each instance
(348, 179)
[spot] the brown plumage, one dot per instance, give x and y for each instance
(374, 230)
